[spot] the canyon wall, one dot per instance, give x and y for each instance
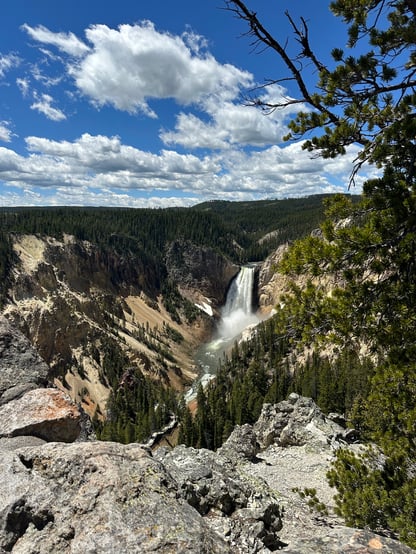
(70, 298)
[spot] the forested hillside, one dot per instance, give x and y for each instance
(268, 223)
(266, 368)
(147, 232)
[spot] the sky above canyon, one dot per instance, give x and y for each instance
(141, 104)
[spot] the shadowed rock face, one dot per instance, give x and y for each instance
(21, 368)
(200, 272)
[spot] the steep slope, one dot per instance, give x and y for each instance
(70, 298)
(21, 367)
(107, 296)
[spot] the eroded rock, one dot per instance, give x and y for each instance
(96, 497)
(210, 483)
(45, 413)
(295, 422)
(199, 272)
(249, 497)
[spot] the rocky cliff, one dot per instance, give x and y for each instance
(70, 298)
(257, 494)
(21, 368)
(203, 275)
(271, 283)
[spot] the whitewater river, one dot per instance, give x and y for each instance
(236, 315)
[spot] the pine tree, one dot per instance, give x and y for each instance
(364, 97)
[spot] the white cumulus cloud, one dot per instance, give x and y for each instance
(65, 42)
(43, 104)
(231, 123)
(100, 163)
(128, 66)
(123, 165)
(132, 66)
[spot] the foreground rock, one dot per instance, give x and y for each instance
(96, 497)
(45, 413)
(247, 516)
(249, 497)
(106, 497)
(257, 494)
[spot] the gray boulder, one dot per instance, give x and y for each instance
(295, 422)
(104, 497)
(247, 514)
(241, 444)
(96, 497)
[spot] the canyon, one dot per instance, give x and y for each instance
(69, 298)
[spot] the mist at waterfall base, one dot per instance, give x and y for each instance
(236, 315)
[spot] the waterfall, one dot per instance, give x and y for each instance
(237, 314)
(240, 294)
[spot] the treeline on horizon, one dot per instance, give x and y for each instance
(239, 230)
(215, 223)
(257, 228)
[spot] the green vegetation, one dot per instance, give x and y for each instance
(138, 406)
(150, 230)
(269, 223)
(6, 260)
(128, 238)
(313, 501)
(264, 369)
(142, 235)
(367, 98)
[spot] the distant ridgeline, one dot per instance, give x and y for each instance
(249, 232)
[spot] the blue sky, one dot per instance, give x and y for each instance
(139, 104)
